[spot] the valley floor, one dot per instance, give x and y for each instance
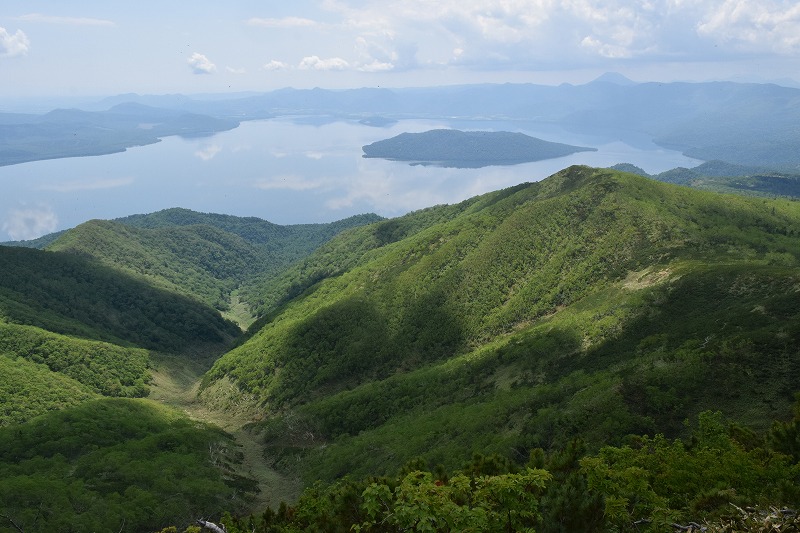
(176, 381)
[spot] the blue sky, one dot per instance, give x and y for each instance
(79, 48)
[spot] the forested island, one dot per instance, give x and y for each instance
(468, 149)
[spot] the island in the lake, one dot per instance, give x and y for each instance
(468, 149)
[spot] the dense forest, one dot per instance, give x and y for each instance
(595, 351)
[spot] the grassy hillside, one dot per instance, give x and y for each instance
(71, 329)
(91, 317)
(71, 461)
(592, 304)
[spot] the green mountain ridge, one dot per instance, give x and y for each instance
(107, 297)
(513, 320)
(198, 261)
(200, 255)
(724, 177)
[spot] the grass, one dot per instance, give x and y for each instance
(239, 311)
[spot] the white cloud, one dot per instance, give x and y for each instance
(749, 24)
(375, 66)
(72, 21)
(315, 63)
(276, 65)
(207, 153)
(30, 222)
(237, 71)
(558, 34)
(604, 49)
(87, 185)
(13, 45)
(381, 52)
(200, 64)
(286, 22)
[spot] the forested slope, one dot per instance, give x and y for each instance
(593, 304)
(198, 261)
(200, 255)
(72, 329)
(68, 294)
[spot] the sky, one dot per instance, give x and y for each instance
(97, 48)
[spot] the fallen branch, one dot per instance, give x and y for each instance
(691, 526)
(211, 525)
(13, 523)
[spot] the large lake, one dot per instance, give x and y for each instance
(286, 171)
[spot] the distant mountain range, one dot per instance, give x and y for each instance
(739, 123)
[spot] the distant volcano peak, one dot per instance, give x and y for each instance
(614, 77)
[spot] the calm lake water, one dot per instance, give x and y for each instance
(287, 171)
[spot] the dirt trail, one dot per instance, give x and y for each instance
(176, 381)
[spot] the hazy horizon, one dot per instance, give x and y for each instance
(87, 49)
